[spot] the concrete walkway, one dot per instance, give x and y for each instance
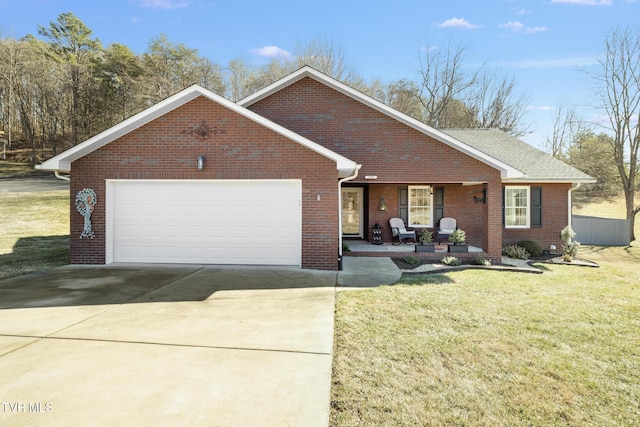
(167, 345)
(364, 272)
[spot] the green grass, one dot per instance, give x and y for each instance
(493, 348)
(35, 232)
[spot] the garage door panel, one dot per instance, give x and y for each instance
(231, 222)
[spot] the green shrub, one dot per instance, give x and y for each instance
(534, 248)
(515, 252)
(345, 247)
(411, 260)
(482, 261)
(569, 247)
(426, 237)
(458, 237)
(450, 260)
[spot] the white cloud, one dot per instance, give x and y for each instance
(522, 12)
(585, 2)
(514, 26)
(533, 30)
(274, 52)
(162, 4)
(135, 20)
(458, 23)
(540, 108)
(517, 26)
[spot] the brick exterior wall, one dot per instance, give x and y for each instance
(235, 148)
(399, 155)
(470, 216)
(395, 153)
(555, 208)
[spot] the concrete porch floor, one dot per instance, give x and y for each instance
(387, 247)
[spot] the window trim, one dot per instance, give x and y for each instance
(528, 206)
(431, 206)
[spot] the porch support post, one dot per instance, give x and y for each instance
(494, 218)
(340, 181)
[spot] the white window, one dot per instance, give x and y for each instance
(517, 203)
(420, 206)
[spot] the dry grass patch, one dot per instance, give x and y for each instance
(493, 348)
(35, 232)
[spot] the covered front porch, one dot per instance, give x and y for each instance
(367, 209)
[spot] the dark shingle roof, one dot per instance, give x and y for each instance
(535, 164)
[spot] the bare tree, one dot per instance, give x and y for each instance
(322, 55)
(401, 95)
(27, 75)
(443, 83)
(566, 126)
(619, 75)
(327, 57)
(9, 50)
(497, 104)
(453, 97)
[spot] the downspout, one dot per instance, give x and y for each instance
(574, 186)
(63, 177)
(349, 178)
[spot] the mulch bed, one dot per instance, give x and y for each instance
(577, 261)
(403, 265)
(544, 258)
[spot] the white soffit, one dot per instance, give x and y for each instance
(62, 162)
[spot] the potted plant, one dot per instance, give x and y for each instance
(458, 238)
(425, 241)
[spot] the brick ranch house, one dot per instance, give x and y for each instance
(284, 175)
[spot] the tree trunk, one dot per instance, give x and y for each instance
(629, 196)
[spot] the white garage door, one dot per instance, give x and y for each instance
(204, 222)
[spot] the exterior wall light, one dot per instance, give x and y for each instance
(482, 199)
(383, 206)
(201, 159)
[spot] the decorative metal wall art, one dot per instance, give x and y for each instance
(203, 131)
(86, 201)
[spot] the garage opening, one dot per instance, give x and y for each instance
(251, 222)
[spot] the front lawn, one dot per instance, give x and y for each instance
(35, 231)
(493, 348)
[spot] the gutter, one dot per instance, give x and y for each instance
(63, 177)
(575, 186)
(349, 178)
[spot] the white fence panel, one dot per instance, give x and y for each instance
(592, 230)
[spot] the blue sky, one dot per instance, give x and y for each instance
(545, 44)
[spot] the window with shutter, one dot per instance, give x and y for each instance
(517, 204)
(536, 207)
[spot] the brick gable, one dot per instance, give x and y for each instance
(235, 147)
(391, 150)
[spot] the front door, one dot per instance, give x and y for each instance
(353, 212)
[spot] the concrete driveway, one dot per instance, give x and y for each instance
(167, 345)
